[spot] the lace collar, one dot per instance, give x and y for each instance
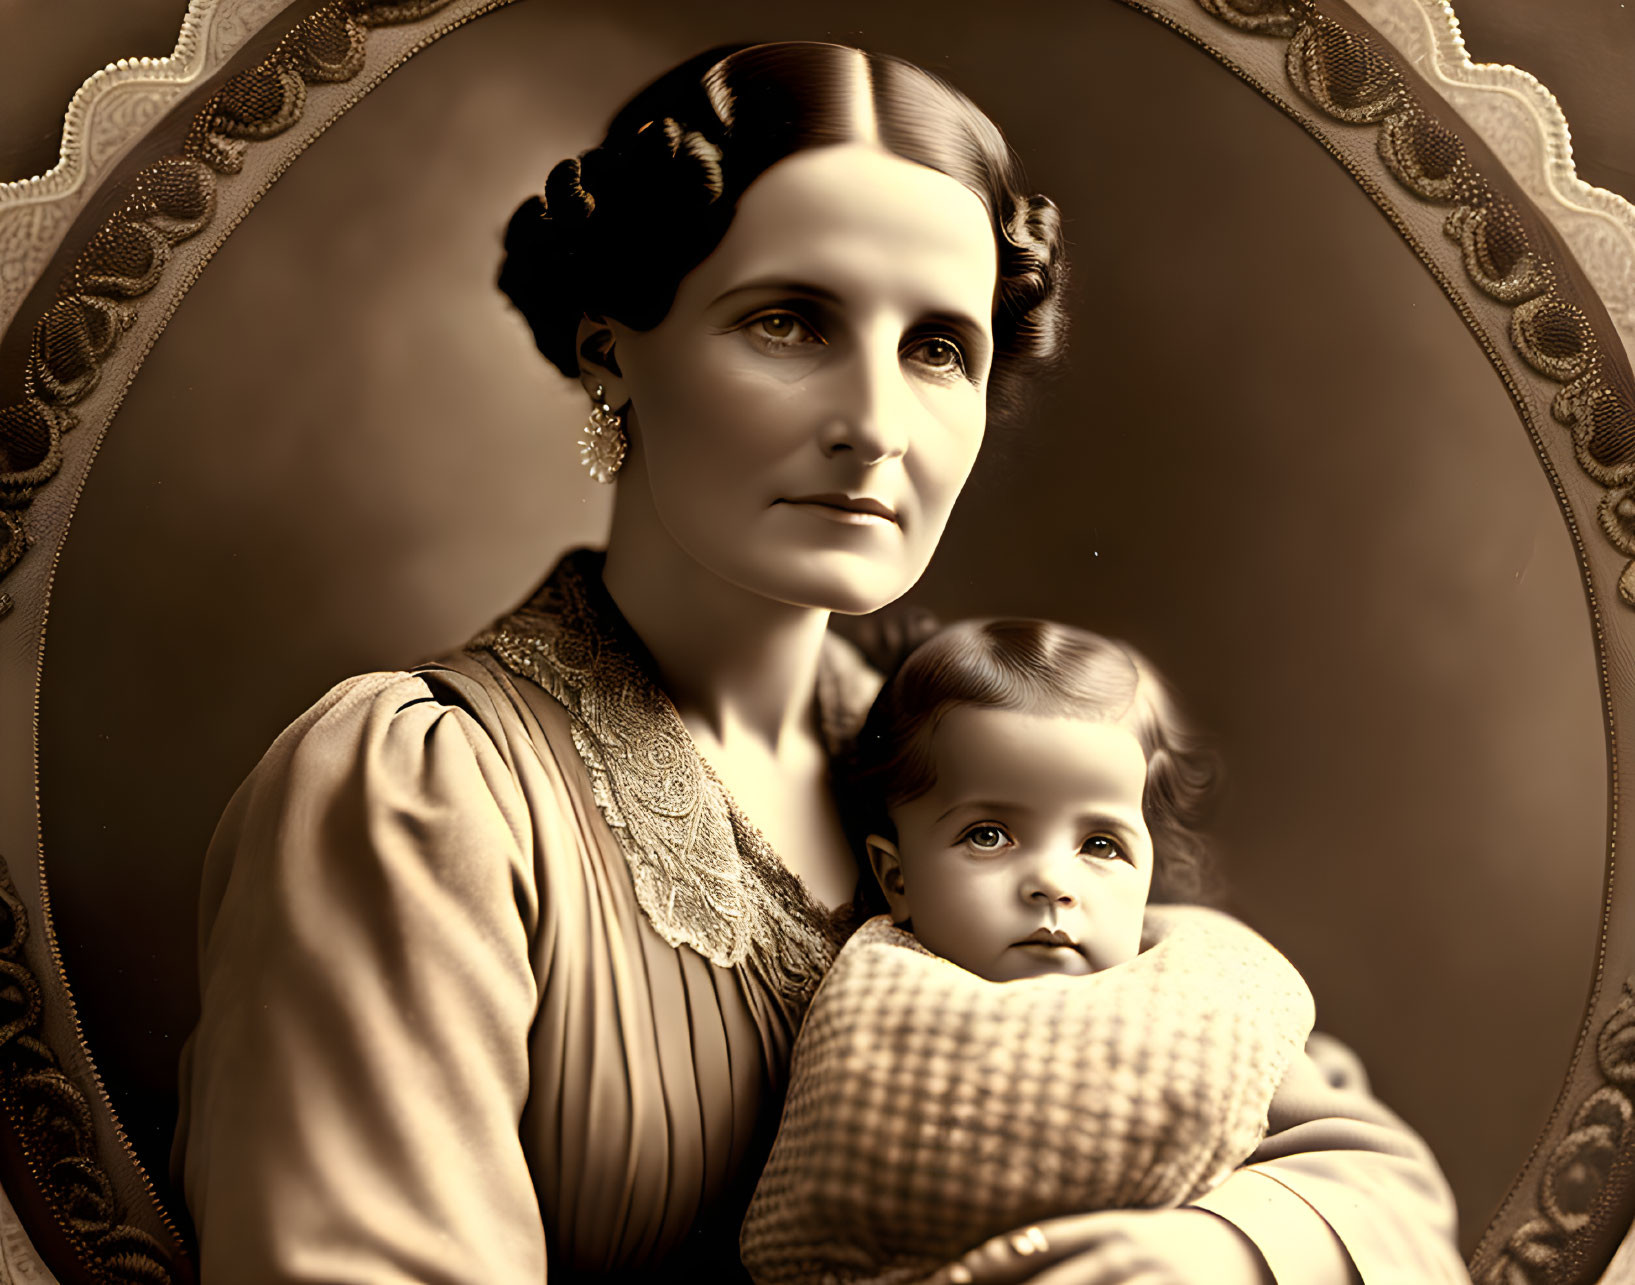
(705, 877)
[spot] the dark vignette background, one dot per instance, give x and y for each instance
(1278, 464)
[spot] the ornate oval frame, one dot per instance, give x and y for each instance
(1471, 165)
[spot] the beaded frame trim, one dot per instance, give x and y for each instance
(1576, 1173)
(1521, 121)
(107, 114)
(52, 1120)
(1582, 1166)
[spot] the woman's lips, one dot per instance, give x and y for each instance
(860, 510)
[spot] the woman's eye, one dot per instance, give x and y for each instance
(780, 331)
(985, 838)
(1101, 845)
(939, 355)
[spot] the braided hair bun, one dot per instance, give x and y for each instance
(618, 227)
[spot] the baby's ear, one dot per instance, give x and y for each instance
(887, 865)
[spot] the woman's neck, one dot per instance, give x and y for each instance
(736, 664)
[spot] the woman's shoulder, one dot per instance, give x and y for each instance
(443, 734)
(391, 779)
(454, 695)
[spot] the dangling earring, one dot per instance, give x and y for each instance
(602, 444)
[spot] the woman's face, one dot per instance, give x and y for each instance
(804, 417)
(1029, 855)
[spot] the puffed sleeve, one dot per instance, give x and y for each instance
(1341, 1190)
(352, 1094)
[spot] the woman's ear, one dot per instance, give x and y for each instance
(887, 865)
(599, 361)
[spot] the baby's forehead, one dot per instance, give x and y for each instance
(1027, 729)
(979, 749)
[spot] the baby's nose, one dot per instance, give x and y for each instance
(1050, 891)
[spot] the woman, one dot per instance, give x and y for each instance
(495, 965)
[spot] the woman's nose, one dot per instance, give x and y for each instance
(862, 436)
(872, 422)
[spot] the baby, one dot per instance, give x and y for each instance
(1024, 1036)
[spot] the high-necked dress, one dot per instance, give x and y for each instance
(495, 974)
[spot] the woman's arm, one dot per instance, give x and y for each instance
(352, 1094)
(1338, 1168)
(1340, 1191)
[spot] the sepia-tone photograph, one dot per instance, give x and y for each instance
(864, 643)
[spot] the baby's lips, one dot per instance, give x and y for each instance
(1048, 937)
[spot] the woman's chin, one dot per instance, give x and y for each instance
(846, 583)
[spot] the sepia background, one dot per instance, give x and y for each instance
(1277, 463)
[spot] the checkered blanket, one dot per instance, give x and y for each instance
(930, 1110)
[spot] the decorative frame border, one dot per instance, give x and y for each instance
(1566, 312)
(106, 116)
(1521, 121)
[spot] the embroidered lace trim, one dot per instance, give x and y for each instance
(704, 876)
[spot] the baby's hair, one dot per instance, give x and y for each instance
(1038, 667)
(620, 225)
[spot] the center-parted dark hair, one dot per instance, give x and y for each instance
(1037, 667)
(620, 225)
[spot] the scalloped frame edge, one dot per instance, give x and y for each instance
(184, 65)
(59, 194)
(1428, 35)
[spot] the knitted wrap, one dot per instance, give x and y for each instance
(930, 1110)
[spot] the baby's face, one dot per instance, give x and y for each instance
(1029, 855)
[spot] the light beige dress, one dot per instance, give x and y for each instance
(493, 972)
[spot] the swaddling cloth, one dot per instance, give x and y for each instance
(929, 1109)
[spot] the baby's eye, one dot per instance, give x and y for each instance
(939, 355)
(780, 332)
(1103, 845)
(986, 838)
